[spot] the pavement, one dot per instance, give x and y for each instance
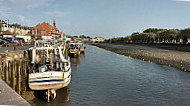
(10, 97)
(9, 49)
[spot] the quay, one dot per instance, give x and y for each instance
(13, 76)
(4, 49)
(10, 97)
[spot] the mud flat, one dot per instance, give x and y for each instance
(173, 58)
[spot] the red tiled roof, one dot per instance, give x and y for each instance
(46, 29)
(7, 32)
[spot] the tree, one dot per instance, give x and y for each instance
(153, 30)
(144, 38)
(168, 35)
(185, 35)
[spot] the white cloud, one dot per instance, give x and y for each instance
(6, 7)
(23, 20)
(23, 3)
(55, 13)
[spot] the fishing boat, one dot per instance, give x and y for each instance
(74, 48)
(50, 69)
(82, 47)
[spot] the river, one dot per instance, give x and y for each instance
(103, 78)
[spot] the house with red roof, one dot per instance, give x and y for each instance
(45, 31)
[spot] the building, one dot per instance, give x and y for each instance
(16, 29)
(98, 40)
(6, 34)
(45, 31)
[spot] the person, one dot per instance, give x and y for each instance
(14, 48)
(21, 43)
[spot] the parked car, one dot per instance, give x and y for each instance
(5, 42)
(12, 39)
(2, 43)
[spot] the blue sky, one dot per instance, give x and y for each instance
(106, 18)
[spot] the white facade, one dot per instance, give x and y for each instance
(47, 37)
(25, 37)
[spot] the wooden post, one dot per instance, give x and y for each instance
(18, 77)
(13, 75)
(1, 71)
(6, 73)
(9, 71)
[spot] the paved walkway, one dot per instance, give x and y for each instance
(10, 97)
(11, 48)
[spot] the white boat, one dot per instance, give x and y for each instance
(74, 48)
(82, 47)
(50, 69)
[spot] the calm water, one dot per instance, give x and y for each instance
(103, 78)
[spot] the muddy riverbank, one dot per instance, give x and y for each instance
(173, 58)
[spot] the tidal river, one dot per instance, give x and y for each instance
(103, 78)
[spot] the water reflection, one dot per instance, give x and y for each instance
(76, 61)
(62, 98)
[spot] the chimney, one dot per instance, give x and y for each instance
(53, 22)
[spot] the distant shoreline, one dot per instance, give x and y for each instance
(152, 53)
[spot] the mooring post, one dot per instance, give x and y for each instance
(18, 77)
(6, 73)
(9, 71)
(13, 75)
(1, 71)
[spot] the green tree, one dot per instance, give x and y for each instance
(144, 38)
(185, 35)
(153, 30)
(168, 35)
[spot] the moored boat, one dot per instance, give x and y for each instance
(50, 69)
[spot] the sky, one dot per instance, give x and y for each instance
(99, 18)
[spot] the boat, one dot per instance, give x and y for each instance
(74, 48)
(50, 69)
(82, 47)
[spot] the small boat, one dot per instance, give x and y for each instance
(50, 69)
(82, 47)
(74, 48)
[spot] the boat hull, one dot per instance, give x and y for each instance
(49, 80)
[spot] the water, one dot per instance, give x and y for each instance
(103, 78)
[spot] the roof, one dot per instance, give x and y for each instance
(7, 32)
(47, 29)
